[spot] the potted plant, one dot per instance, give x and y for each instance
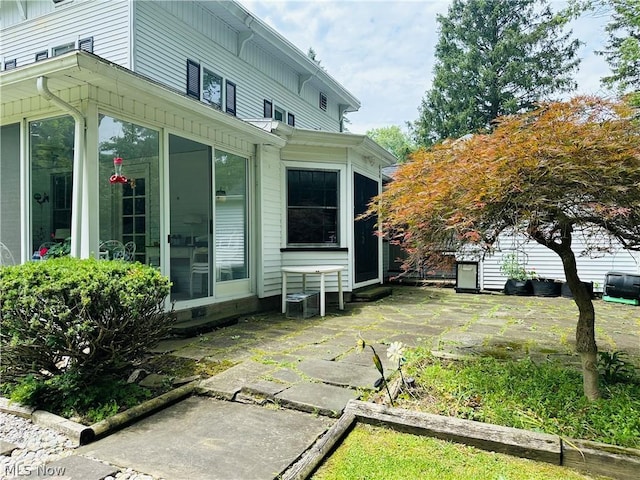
(545, 287)
(518, 282)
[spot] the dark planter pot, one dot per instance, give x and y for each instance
(518, 287)
(567, 293)
(544, 287)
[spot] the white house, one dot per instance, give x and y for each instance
(235, 161)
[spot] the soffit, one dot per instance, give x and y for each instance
(78, 69)
(269, 40)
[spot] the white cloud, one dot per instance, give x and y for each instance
(382, 51)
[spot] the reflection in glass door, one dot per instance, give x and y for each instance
(190, 240)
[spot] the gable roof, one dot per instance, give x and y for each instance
(253, 29)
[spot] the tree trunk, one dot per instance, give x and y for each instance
(590, 375)
(585, 330)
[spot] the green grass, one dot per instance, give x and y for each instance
(542, 396)
(377, 453)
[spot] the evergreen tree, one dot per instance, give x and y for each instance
(622, 51)
(493, 58)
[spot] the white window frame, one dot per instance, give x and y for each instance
(204, 71)
(342, 213)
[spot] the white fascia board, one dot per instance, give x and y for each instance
(359, 143)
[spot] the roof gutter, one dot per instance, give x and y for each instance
(78, 163)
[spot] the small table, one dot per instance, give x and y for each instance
(313, 270)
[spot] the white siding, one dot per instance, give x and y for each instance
(106, 22)
(169, 33)
(270, 191)
(548, 264)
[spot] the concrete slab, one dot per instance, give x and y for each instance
(207, 439)
(317, 398)
(228, 383)
(340, 373)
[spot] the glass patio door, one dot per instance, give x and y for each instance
(190, 224)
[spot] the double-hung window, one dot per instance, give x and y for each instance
(211, 88)
(207, 87)
(312, 207)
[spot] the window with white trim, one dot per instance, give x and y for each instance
(207, 86)
(211, 88)
(61, 49)
(291, 119)
(312, 207)
(278, 114)
(10, 64)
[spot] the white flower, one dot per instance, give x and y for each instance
(395, 352)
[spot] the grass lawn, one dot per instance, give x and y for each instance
(377, 453)
(540, 395)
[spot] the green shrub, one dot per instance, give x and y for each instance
(71, 319)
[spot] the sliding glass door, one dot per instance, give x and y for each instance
(190, 240)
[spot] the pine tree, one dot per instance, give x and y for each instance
(494, 57)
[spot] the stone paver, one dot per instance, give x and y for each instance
(6, 447)
(228, 383)
(317, 398)
(340, 373)
(207, 439)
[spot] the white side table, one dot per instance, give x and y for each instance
(313, 270)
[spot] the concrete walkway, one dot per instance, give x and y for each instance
(254, 427)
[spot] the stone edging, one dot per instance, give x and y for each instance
(592, 457)
(81, 434)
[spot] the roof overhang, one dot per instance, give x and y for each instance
(79, 68)
(361, 144)
(268, 39)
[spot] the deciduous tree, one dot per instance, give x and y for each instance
(394, 140)
(493, 58)
(546, 174)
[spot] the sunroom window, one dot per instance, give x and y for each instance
(312, 207)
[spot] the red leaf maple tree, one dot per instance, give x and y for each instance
(561, 168)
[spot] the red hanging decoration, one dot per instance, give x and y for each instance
(118, 177)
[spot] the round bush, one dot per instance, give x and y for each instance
(86, 317)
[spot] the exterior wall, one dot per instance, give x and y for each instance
(547, 264)
(270, 220)
(48, 26)
(169, 33)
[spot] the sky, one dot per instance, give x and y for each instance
(382, 51)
